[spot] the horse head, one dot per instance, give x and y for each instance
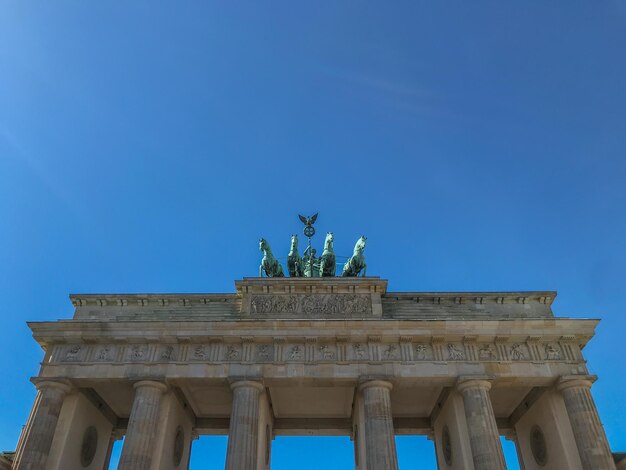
(328, 243)
(263, 245)
(360, 244)
(294, 243)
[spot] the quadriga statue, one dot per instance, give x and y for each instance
(269, 264)
(295, 265)
(356, 263)
(327, 260)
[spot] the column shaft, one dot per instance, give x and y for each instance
(380, 443)
(39, 439)
(142, 426)
(481, 425)
(243, 434)
(593, 446)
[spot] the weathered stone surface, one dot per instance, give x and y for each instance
(138, 450)
(591, 441)
(481, 424)
(319, 347)
(39, 440)
(243, 434)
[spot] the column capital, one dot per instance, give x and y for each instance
(239, 383)
(572, 381)
(375, 383)
(43, 383)
(482, 382)
(150, 383)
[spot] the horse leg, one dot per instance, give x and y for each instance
(261, 270)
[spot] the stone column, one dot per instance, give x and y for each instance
(380, 443)
(243, 434)
(39, 439)
(591, 441)
(142, 426)
(481, 425)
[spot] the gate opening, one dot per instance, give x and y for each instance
(312, 453)
(416, 453)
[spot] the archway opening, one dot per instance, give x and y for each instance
(510, 454)
(312, 453)
(208, 453)
(416, 452)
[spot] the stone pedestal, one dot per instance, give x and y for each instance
(591, 441)
(243, 434)
(481, 425)
(141, 434)
(380, 444)
(39, 440)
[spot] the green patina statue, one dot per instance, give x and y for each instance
(311, 264)
(356, 263)
(327, 260)
(308, 265)
(295, 265)
(269, 264)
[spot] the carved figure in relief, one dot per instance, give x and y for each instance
(295, 353)
(327, 260)
(516, 352)
(295, 265)
(269, 265)
(72, 353)
(103, 354)
(421, 349)
(359, 351)
(552, 352)
(356, 263)
(232, 353)
(486, 353)
(199, 353)
(263, 351)
(137, 353)
(327, 353)
(167, 353)
(390, 352)
(455, 353)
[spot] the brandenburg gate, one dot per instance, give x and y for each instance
(312, 355)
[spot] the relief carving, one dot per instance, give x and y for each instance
(232, 353)
(421, 351)
(552, 352)
(167, 353)
(295, 353)
(200, 353)
(264, 352)
(486, 353)
(312, 304)
(137, 353)
(391, 352)
(516, 352)
(103, 354)
(326, 352)
(359, 351)
(72, 353)
(455, 353)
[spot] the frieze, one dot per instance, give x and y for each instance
(313, 349)
(341, 305)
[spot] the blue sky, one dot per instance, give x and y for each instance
(146, 146)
